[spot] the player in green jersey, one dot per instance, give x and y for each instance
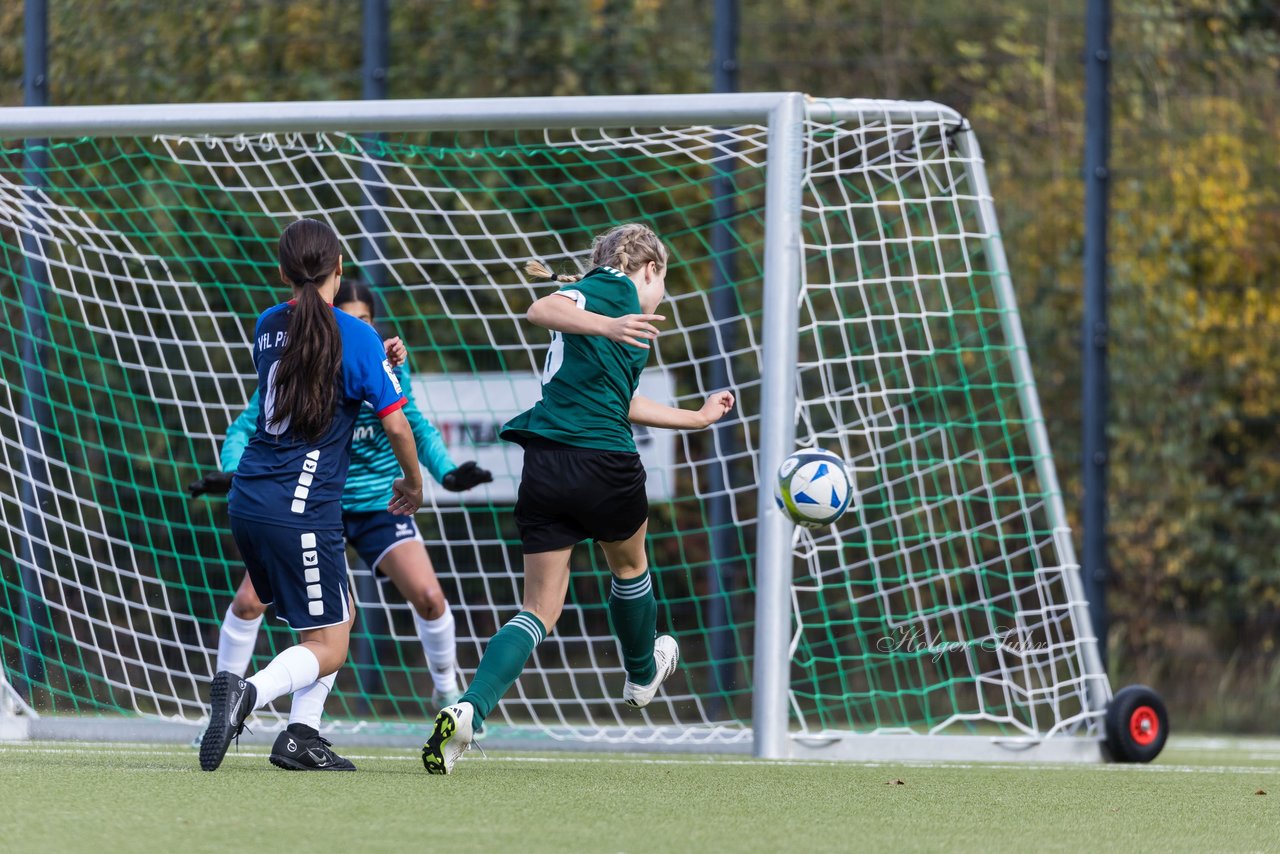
(582, 477)
(390, 545)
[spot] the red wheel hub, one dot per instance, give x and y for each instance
(1144, 725)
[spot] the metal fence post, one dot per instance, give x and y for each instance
(1093, 342)
(374, 88)
(33, 557)
(726, 555)
(373, 225)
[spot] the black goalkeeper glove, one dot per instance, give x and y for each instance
(466, 476)
(214, 483)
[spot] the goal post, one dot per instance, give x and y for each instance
(15, 714)
(777, 427)
(942, 617)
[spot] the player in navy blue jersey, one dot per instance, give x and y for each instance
(316, 368)
(391, 546)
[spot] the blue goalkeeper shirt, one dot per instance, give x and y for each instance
(373, 463)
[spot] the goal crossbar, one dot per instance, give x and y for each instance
(427, 114)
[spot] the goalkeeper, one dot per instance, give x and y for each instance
(390, 545)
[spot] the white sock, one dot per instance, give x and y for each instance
(296, 667)
(308, 702)
(440, 644)
(236, 639)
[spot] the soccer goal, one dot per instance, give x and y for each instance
(836, 263)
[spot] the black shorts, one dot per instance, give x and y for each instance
(568, 495)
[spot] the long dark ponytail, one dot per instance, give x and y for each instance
(306, 388)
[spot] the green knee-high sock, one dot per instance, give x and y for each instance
(634, 614)
(503, 659)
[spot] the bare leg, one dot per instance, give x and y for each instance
(546, 582)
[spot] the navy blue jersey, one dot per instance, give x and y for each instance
(283, 480)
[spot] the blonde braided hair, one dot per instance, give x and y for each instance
(626, 247)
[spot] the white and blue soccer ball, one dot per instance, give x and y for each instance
(813, 488)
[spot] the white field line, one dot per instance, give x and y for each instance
(117, 749)
(1253, 746)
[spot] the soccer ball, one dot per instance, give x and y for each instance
(813, 488)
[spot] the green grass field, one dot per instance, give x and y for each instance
(1203, 795)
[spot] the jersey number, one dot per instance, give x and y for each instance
(555, 353)
(269, 405)
(555, 357)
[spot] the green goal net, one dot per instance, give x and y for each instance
(131, 272)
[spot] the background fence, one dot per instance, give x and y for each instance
(1195, 319)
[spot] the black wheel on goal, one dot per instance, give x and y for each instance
(1137, 724)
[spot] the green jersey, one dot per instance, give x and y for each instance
(588, 380)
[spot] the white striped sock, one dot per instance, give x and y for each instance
(632, 588)
(529, 624)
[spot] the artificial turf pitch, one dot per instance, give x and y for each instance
(1202, 795)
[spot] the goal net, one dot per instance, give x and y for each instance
(945, 603)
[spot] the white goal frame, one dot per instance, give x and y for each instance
(784, 114)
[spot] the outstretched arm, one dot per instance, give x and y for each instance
(239, 433)
(432, 451)
(560, 312)
(653, 414)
